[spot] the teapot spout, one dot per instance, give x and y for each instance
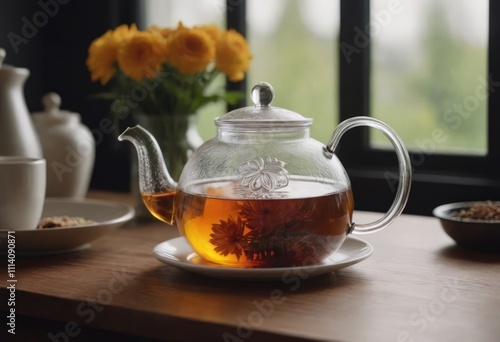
(155, 183)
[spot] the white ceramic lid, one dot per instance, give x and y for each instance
(53, 113)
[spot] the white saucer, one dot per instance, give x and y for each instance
(178, 253)
(107, 215)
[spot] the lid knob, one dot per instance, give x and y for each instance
(262, 94)
(51, 102)
(2, 56)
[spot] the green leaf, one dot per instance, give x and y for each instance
(105, 96)
(232, 97)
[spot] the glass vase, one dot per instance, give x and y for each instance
(178, 137)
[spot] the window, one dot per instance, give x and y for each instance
(413, 70)
(429, 72)
(460, 171)
(293, 43)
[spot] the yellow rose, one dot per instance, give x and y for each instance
(233, 55)
(103, 52)
(190, 50)
(123, 33)
(165, 32)
(142, 55)
(213, 31)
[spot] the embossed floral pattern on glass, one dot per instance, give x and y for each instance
(262, 176)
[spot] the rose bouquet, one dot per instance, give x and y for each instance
(163, 71)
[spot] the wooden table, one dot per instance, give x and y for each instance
(416, 286)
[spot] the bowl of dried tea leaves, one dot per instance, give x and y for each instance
(472, 224)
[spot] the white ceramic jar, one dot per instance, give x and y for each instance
(69, 148)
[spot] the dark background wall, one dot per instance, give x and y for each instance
(51, 39)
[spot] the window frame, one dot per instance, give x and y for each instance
(437, 177)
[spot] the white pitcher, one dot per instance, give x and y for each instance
(17, 133)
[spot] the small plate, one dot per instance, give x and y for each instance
(178, 253)
(108, 216)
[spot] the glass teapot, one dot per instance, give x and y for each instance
(262, 193)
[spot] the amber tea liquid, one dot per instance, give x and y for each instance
(160, 205)
(259, 232)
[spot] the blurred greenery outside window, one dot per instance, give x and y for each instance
(429, 73)
(428, 61)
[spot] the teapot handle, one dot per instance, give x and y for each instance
(405, 172)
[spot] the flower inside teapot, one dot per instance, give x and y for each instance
(262, 193)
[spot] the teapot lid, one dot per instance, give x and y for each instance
(262, 114)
